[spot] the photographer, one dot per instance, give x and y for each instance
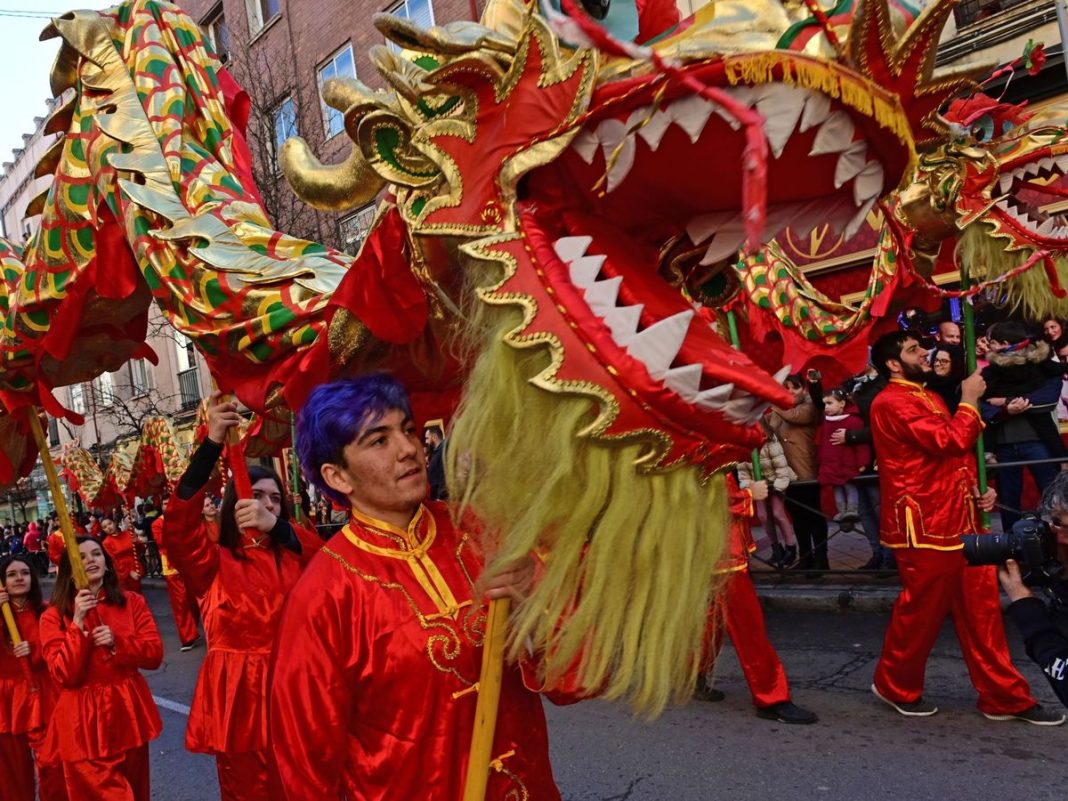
(1044, 641)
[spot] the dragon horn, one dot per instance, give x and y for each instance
(330, 187)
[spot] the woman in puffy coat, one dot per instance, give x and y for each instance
(777, 472)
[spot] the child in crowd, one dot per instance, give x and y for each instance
(772, 512)
(839, 465)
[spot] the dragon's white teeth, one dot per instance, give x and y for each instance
(700, 229)
(583, 271)
(1046, 228)
(857, 219)
(613, 136)
(585, 144)
(659, 344)
(817, 110)
(684, 381)
(834, 136)
(601, 296)
(781, 375)
(1047, 164)
(714, 398)
(653, 131)
(869, 184)
(740, 410)
(850, 163)
(1062, 163)
(623, 321)
(725, 244)
(569, 248)
(1004, 184)
(691, 114)
(781, 105)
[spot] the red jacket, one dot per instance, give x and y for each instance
(926, 467)
(840, 463)
(740, 543)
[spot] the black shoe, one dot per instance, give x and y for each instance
(189, 646)
(777, 554)
(914, 709)
(706, 692)
(789, 556)
(787, 712)
(1037, 714)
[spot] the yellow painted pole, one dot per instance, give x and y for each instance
(9, 621)
(77, 569)
(489, 699)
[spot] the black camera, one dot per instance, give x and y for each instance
(1030, 542)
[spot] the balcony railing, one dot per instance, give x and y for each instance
(189, 386)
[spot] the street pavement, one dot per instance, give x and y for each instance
(860, 749)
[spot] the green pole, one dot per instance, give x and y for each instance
(294, 472)
(736, 343)
(968, 314)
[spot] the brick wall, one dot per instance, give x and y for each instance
(283, 59)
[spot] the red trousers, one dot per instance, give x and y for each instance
(16, 767)
(51, 784)
(120, 778)
(184, 609)
(244, 777)
(939, 583)
(739, 609)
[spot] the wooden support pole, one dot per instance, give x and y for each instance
(489, 700)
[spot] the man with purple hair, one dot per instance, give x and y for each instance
(376, 668)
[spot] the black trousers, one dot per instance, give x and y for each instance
(810, 526)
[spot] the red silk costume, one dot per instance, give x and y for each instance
(56, 546)
(241, 604)
(26, 706)
(374, 694)
(738, 611)
(926, 480)
(120, 547)
(183, 605)
(104, 715)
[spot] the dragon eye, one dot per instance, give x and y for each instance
(983, 128)
(598, 9)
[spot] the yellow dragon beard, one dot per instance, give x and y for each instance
(619, 544)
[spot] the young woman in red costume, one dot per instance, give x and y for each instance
(27, 694)
(120, 547)
(241, 582)
(96, 642)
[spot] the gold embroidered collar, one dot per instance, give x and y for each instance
(413, 545)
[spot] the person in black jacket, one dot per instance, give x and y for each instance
(1045, 643)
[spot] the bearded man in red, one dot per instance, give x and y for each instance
(377, 659)
(929, 498)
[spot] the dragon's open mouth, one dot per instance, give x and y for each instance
(1018, 199)
(607, 221)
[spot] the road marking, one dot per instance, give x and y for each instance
(173, 706)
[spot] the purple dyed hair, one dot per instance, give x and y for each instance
(333, 417)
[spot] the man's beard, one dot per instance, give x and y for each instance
(914, 372)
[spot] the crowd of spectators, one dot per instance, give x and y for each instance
(822, 469)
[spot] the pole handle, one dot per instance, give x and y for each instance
(968, 315)
(489, 700)
(736, 343)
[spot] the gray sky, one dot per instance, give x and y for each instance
(25, 64)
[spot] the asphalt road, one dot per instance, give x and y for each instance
(858, 750)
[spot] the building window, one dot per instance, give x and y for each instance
(77, 398)
(284, 122)
(103, 390)
(420, 12)
(260, 12)
(340, 65)
(355, 226)
(185, 351)
(139, 377)
(217, 34)
(970, 11)
(53, 432)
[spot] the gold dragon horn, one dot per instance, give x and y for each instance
(332, 187)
